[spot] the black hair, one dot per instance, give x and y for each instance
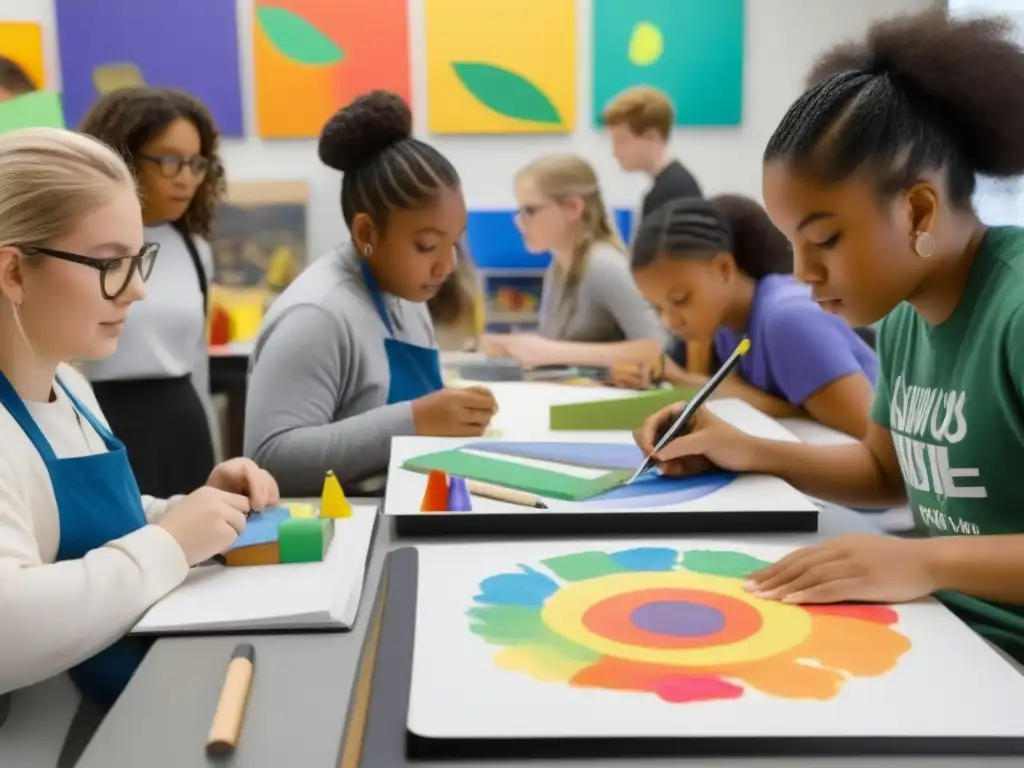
(694, 228)
(922, 92)
(13, 78)
(128, 118)
(385, 169)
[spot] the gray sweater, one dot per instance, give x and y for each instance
(607, 305)
(319, 380)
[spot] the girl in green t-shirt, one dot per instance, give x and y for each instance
(870, 176)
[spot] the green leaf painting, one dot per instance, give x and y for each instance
(296, 38)
(506, 92)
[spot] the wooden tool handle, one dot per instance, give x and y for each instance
(234, 696)
(500, 493)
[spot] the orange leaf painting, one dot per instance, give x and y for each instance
(314, 57)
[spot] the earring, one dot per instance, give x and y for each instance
(367, 250)
(924, 245)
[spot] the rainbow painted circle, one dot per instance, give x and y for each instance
(678, 618)
(676, 623)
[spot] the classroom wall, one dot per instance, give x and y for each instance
(783, 38)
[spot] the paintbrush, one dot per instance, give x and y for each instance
(682, 422)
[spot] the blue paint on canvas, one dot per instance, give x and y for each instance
(186, 44)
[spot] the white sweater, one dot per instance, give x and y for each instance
(55, 615)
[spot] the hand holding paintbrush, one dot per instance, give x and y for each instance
(678, 427)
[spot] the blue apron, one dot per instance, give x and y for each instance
(414, 371)
(98, 501)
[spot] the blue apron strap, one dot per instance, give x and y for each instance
(95, 423)
(15, 406)
(378, 300)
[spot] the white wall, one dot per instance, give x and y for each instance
(783, 38)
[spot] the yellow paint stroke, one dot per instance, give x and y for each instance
(646, 44)
(540, 662)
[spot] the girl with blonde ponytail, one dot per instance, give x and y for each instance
(591, 310)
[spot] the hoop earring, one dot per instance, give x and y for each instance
(367, 251)
(924, 245)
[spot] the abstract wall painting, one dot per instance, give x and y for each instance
(260, 234)
(660, 639)
(22, 43)
(501, 66)
(327, 53)
(196, 50)
(690, 49)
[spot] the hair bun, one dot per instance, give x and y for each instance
(364, 129)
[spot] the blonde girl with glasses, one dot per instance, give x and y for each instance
(83, 554)
(591, 312)
(155, 390)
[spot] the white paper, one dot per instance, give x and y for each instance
(301, 596)
(949, 683)
(753, 493)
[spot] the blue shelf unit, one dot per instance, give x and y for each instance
(510, 277)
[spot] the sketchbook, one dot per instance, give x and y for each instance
(319, 595)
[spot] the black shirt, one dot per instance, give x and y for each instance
(673, 182)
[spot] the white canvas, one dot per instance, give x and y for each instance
(216, 598)
(755, 493)
(950, 683)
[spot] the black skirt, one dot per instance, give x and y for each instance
(164, 428)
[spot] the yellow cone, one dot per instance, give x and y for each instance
(333, 502)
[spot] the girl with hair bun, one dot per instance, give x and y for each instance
(719, 269)
(870, 176)
(347, 358)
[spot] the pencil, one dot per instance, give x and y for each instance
(500, 493)
(682, 422)
(234, 696)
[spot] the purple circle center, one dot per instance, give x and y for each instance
(678, 618)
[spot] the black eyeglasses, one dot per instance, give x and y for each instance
(172, 165)
(115, 274)
(529, 211)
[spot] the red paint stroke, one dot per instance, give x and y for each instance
(610, 618)
(879, 614)
(673, 684)
(677, 689)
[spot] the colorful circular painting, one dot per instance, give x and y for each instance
(678, 624)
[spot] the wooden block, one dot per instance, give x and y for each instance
(258, 554)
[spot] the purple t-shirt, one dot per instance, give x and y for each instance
(796, 348)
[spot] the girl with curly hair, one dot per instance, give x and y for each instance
(155, 390)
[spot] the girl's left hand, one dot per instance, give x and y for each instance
(530, 349)
(856, 567)
(493, 345)
(243, 477)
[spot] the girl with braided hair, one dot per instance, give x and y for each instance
(870, 176)
(155, 390)
(347, 357)
(591, 313)
(719, 269)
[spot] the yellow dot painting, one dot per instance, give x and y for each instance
(645, 44)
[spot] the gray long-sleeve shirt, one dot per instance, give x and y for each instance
(319, 380)
(607, 305)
